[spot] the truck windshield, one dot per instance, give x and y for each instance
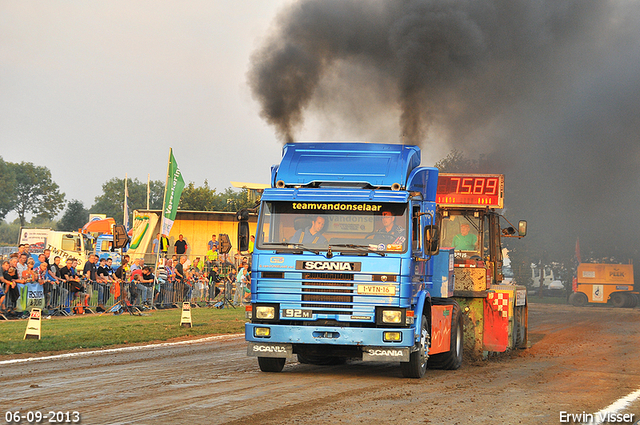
(461, 231)
(342, 226)
(88, 243)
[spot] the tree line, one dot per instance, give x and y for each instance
(29, 190)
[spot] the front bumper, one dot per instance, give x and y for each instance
(290, 334)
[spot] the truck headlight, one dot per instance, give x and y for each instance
(264, 312)
(391, 316)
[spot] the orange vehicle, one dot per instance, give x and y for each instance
(604, 283)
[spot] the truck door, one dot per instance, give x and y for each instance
(416, 231)
(495, 247)
(417, 253)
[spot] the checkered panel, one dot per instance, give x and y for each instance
(499, 301)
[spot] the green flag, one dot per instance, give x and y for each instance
(172, 192)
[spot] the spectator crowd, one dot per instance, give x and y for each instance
(99, 286)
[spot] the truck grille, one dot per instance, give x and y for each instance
(328, 291)
(328, 276)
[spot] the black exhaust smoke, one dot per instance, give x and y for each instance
(547, 90)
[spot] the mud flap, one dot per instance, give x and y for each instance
(496, 322)
(440, 328)
(256, 349)
(385, 354)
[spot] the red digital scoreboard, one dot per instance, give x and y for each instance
(457, 189)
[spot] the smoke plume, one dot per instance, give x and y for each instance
(547, 90)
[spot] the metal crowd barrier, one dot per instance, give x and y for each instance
(197, 291)
(69, 298)
(86, 296)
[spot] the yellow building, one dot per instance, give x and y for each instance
(196, 227)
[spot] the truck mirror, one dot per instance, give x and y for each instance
(431, 239)
(120, 237)
(225, 243)
(522, 228)
(243, 236)
(242, 215)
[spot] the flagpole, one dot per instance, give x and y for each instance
(164, 196)
(125, 219)
(148, 190)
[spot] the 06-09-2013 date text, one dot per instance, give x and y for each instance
(50, 417)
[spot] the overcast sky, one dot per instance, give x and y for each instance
(548, 90)
(96, 89)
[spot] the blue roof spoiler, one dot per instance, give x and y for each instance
(364, 165)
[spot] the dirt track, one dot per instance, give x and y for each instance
(580, 359)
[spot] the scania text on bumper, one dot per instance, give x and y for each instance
(385, 354)
(269, 350)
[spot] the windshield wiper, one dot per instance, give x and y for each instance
(360, 248)
(474, 223)
(293, 245)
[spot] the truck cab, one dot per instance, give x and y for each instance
(347, 264)
(361, 253)
(104, 249)
(69, 245)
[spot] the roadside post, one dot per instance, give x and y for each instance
(33, 325)
(185, 321)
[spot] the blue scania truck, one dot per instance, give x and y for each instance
(349, 263)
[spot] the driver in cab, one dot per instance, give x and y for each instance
(311, 235)
(465, 241)
(391, 229)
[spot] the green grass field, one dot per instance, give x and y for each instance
(94, 331)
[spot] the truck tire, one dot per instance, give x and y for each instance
(271, 364)
(520, 327)
(618, 300)
(578, 299)
(452, 359)
(416, 367)
(630, 300)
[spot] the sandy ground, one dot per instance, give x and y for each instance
(579, 360)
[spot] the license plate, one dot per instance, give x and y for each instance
(376, 290)
(296, 313)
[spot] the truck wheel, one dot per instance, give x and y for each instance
(417, 364)
(520, 327)
(630, 300)
(452, 359)
(578, 299)
(618, 300)
(271, 364)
